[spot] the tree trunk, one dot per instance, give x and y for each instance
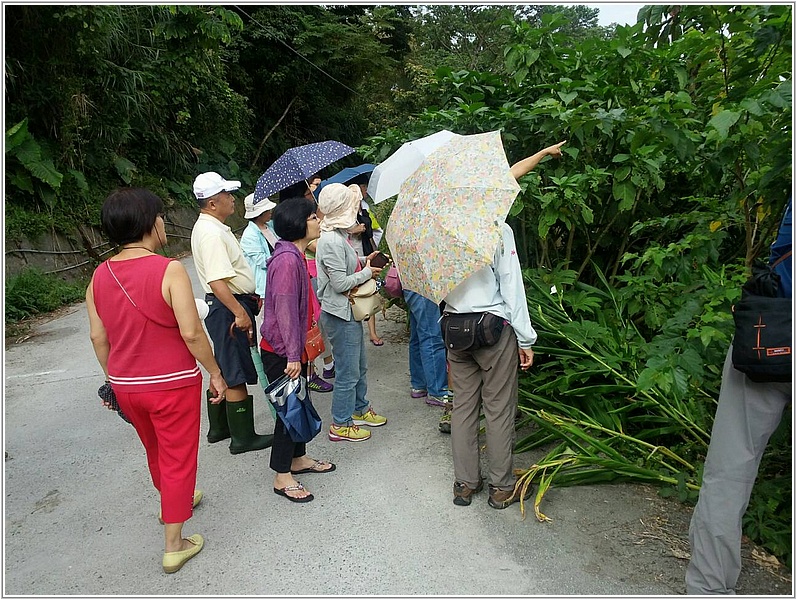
(569, 249)
(270, 131)
(591, 248)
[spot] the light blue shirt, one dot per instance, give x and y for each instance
(497, 289)
(256, 252)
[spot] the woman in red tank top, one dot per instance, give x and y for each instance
(148, 337)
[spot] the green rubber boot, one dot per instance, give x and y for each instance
(217, 415)
(241, 419)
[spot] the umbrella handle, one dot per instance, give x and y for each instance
(249, 336)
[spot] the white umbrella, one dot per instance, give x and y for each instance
(388, 176)
(447, 221)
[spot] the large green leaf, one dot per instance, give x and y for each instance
(16, 135)
(45, 171)
(28, 152)
(622, 173)
(125, 169)
(587, 214)
(80, 179)
(567, 97)
(723, 121)
(547, 219)
(21, 179)
(624, 192)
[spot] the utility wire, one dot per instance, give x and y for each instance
(271, 33)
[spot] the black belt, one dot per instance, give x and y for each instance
(252, 296)
(252, 301)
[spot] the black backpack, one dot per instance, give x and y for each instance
(762, 340)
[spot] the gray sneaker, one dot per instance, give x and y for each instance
(443, 400)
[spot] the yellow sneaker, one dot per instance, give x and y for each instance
(369, 418)
(348, 433)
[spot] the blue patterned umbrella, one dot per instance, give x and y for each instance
(345, 176)
(298, 163)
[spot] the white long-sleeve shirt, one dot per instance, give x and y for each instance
(497, 289)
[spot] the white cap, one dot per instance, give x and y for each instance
(255, 209)
(211, 183)
(201, 307)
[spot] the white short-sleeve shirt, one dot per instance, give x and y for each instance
(217, 255)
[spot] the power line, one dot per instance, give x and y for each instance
(270, 32)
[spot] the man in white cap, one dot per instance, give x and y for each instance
(229, 286)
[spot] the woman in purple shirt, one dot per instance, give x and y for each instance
(287, 311)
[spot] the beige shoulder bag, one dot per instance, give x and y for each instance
(365, 300)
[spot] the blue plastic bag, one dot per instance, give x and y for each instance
(291, 400)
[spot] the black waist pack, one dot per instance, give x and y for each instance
(762, 337)
(471, 331)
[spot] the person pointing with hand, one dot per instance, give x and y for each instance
(486, 378)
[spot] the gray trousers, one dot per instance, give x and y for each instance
(747, 415)
(485, 378)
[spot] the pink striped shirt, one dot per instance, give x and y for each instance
(147, 352)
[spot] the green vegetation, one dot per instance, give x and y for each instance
(106, 96)
(677, 167)
(33, 292)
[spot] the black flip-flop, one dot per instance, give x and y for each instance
(293, 488)
(314, 470)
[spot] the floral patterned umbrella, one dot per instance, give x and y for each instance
(296, 164)
(447, 221)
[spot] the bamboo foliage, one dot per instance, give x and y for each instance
(589, 403)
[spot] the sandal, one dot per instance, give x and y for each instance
(293, 488)
(378, 342)
(315, 468)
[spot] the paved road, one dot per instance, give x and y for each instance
(81, 513)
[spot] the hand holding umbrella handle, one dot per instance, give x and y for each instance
(244, 323)
(246, 329)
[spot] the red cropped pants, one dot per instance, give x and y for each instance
(167, 422)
